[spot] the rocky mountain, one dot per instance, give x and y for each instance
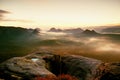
(45, 63)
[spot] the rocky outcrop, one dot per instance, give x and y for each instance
(47, 64)
(108, 71)
(25, 68)
(81, 67)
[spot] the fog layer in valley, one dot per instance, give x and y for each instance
(103, 46)
(20, 41)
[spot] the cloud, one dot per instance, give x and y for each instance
(17, 20)
(2, 17)
(2, 13)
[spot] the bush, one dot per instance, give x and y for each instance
(60, 77)
(66, 77)
(46, 78)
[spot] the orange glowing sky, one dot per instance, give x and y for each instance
(59, 13)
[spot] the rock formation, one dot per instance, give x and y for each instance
(24, 68)
(47, 64)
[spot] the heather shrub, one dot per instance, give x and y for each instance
(46, 78)
(66, 77)
(59, 77)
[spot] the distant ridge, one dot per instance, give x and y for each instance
(88, 32)
(12, 33)
(54, 30)
(75, 30)
(111, 30)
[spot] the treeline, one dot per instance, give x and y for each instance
(16, 33)
(16, 41)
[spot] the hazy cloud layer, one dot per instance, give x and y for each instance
(17, 20)
(4, 11)
(3, 17)
(2, 14)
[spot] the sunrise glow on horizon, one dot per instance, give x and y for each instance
(59, 13)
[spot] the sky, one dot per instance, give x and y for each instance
(59, 13)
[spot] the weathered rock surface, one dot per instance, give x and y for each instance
(48, 64)
(81, 67)
(108, 71)
(26, 67)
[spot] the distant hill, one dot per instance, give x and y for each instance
(54, 30)
(115, 29)
(88, 32)
(75, 30)
(13, 33)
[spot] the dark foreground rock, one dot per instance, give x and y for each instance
(47, 64)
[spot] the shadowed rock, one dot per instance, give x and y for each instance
(81, 67)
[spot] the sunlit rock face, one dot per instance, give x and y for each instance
(28, 67)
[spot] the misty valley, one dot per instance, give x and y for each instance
(89, 43)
